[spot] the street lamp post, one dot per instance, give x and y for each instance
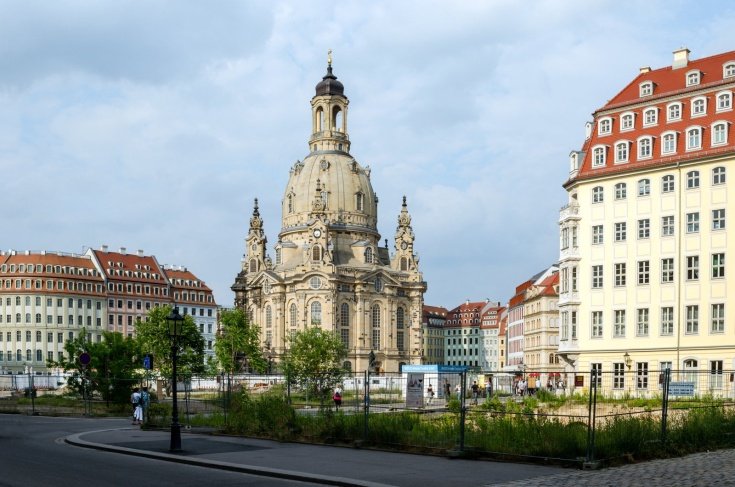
(175, 324)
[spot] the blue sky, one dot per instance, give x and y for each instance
(153, 125)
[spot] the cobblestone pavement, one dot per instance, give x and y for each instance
(710, 469)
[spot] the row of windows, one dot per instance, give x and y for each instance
(50, 302)
(643, 324)
(49, 319)
(674, 113)
(694, 137)
(718, 222)
(719, 176)
(642, 374)
(39, 336)
(359, 200)
(692, 78)
(51, 285)
(643, 276)
(139, 289)
(39, 268)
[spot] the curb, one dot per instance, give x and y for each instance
(76, 440)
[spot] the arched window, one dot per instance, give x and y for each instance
(626, 121)
(319, 119)
(604, 125)
(667, 184)
(336, 119)
(673, 111)
(692, 179)
(400, 318)
(375, 319)
(719, 133)
(17, 300)
(29, 354)
(728, 70)
(718, 175)
(621, 151)
(38, 317)
(404, 264)
(17, 320)
(278, 256)
(316, 313)
(359, 202)
(293, 315)
(699, 107)
(598, 194)
(369, 255)
(344, 315)
(669, 143)
(325, 198)
(378, 285)
(316, 253)
(253, 265)
(644, 187)
(650, 117)
(644, 147)
(646, 88)
(39, 355)
(19, 355)
(268, 317)
(290, 203)
(694, 138)
(724, 101)
(598, 156)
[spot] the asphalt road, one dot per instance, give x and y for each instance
(32, 453)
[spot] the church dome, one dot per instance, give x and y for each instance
(333, 184)
(329, 85)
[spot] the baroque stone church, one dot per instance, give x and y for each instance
(329, 268)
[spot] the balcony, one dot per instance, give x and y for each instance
(569, 212)
(569, 253)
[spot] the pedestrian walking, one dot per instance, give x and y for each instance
(145, 401)
(136, 400)
(475, 392)
(430, 394)
(447, 390)
(337, 398)
(458, 391)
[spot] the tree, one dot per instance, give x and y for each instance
(315, 359)
(113, 368)
(237, 347)
(152, 335)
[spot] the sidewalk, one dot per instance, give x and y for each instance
(344, 466)
(326, 465)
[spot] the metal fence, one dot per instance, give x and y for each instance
(577, 417)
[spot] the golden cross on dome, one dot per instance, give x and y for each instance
(329, 57)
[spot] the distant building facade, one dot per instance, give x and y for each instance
(47, 298)
(644, 250)
(434, 318)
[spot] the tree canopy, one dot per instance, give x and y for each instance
(152, 335)
(237, 347)
(314, 358)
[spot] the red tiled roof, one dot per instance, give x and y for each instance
(112, 262)
(669, 86)
(186, 275)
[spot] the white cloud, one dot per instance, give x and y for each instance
(155, 125)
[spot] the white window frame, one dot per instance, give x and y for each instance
(664, 137)
(692, 179)
(669, 107)
(623, 145)
(644, 187)
(645, 88)
(598, 194)
(723, 101)
(650, 117)
(689, 131)
(645, 142)
(719, 177)
(602, 160)
(728, 69)
(621, 191)
(696, 103)
(598, 234)
(714, 133)
(602, 123)
(718, 219)
(627, 116)
(693, 77)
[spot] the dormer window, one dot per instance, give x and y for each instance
(598, 156)
(724, 101)
(673, 111)
(645, 145)
(694, 138)
(604, 126)
(668, 145)
(650, 117)
(728, 70)
(573, 162)
(719, 133)
(693, 78)
(646, 88)
(627, 121)
(622, 151)
(699, 106)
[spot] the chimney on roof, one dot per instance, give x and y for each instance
(467, 301)
(104, 248)
(487, 300)
(140, 252)
(123, 250)
(645, 69)
(681, 58)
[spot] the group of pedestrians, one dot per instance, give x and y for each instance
(140, 400)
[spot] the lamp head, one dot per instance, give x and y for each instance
(175, 323)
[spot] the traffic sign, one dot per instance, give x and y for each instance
(148, 361)
(84, 359)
